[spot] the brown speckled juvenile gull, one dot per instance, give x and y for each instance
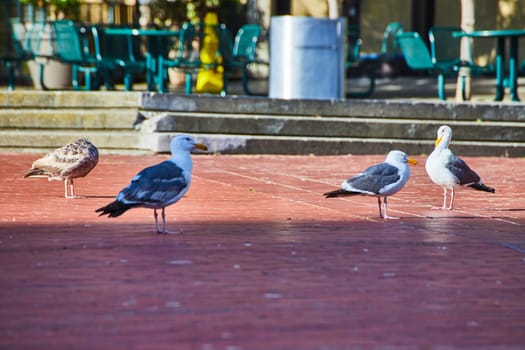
(66, 163)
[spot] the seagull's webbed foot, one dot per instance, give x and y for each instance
(444, 206)
(438, 208)
(69, 190)
(386, 216)
(164, 230)
(176, 232)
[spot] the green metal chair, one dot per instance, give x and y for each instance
(183, 60)
(418, 57)
(353, 46)
(371, 61)
(389, 47)
(238, 53)
(20, 50)
(69, 48)
(445, 50)
(355, 59)
(117, 52)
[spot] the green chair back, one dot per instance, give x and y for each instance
(68, 45)
(245, 41)
(353, 45)
(415, 51)
(183, 60)
(444, 47)
(389, 44)
(184, 46)
(226, 44)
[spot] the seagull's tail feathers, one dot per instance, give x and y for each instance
(482, 187)
(114, 209)
(338, 193)
(35, 172)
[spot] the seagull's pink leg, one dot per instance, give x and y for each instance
(379, 206)
(155, 215)
(452, 195)
(72, 187)
(66, 194)
(386, 211)
(164, 227)
(69, 187)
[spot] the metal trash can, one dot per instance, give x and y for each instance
(307, 58)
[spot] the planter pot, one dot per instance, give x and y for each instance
(57, 75)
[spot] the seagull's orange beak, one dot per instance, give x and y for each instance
(412, 161)
(438, 141)
(201, 146)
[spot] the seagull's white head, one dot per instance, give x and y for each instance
(185, 143)
(399, 157)
(444, 135)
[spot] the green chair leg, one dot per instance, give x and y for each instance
(441, 87)
(10, 75)
(188, 83)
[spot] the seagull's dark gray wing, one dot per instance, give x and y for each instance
(462, 171)
(157, 184)
(373, 179)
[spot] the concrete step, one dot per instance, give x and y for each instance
(389, 109)
(39, 121)
(69, 99)
(262, 125)
(290, 145)
(68, 118)
(334, 127)
(44, 140)
(43, 120)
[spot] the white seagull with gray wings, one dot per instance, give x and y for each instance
(158, 186)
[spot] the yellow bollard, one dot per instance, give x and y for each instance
(210, 76)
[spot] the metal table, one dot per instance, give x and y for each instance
(156, 46)
(502, 80)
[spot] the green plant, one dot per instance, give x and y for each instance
(167, 13)
(58, 8)
(64, 8)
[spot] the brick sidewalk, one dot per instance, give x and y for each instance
(265, 262)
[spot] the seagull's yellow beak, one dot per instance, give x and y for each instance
(438, 141)
(201, 146)
(412, 161)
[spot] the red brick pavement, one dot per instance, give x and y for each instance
(265, 262)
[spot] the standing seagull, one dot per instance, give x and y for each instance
(449, 171)
(380, 180)
(66, 163)
(159, 185)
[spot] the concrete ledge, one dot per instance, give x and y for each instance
(42, 120)
(69, 99)
(260, 125)
(332, 127)
(399, 109)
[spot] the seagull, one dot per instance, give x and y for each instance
(158, 186)
(380, 180)
(449, 171)
(66, 163)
